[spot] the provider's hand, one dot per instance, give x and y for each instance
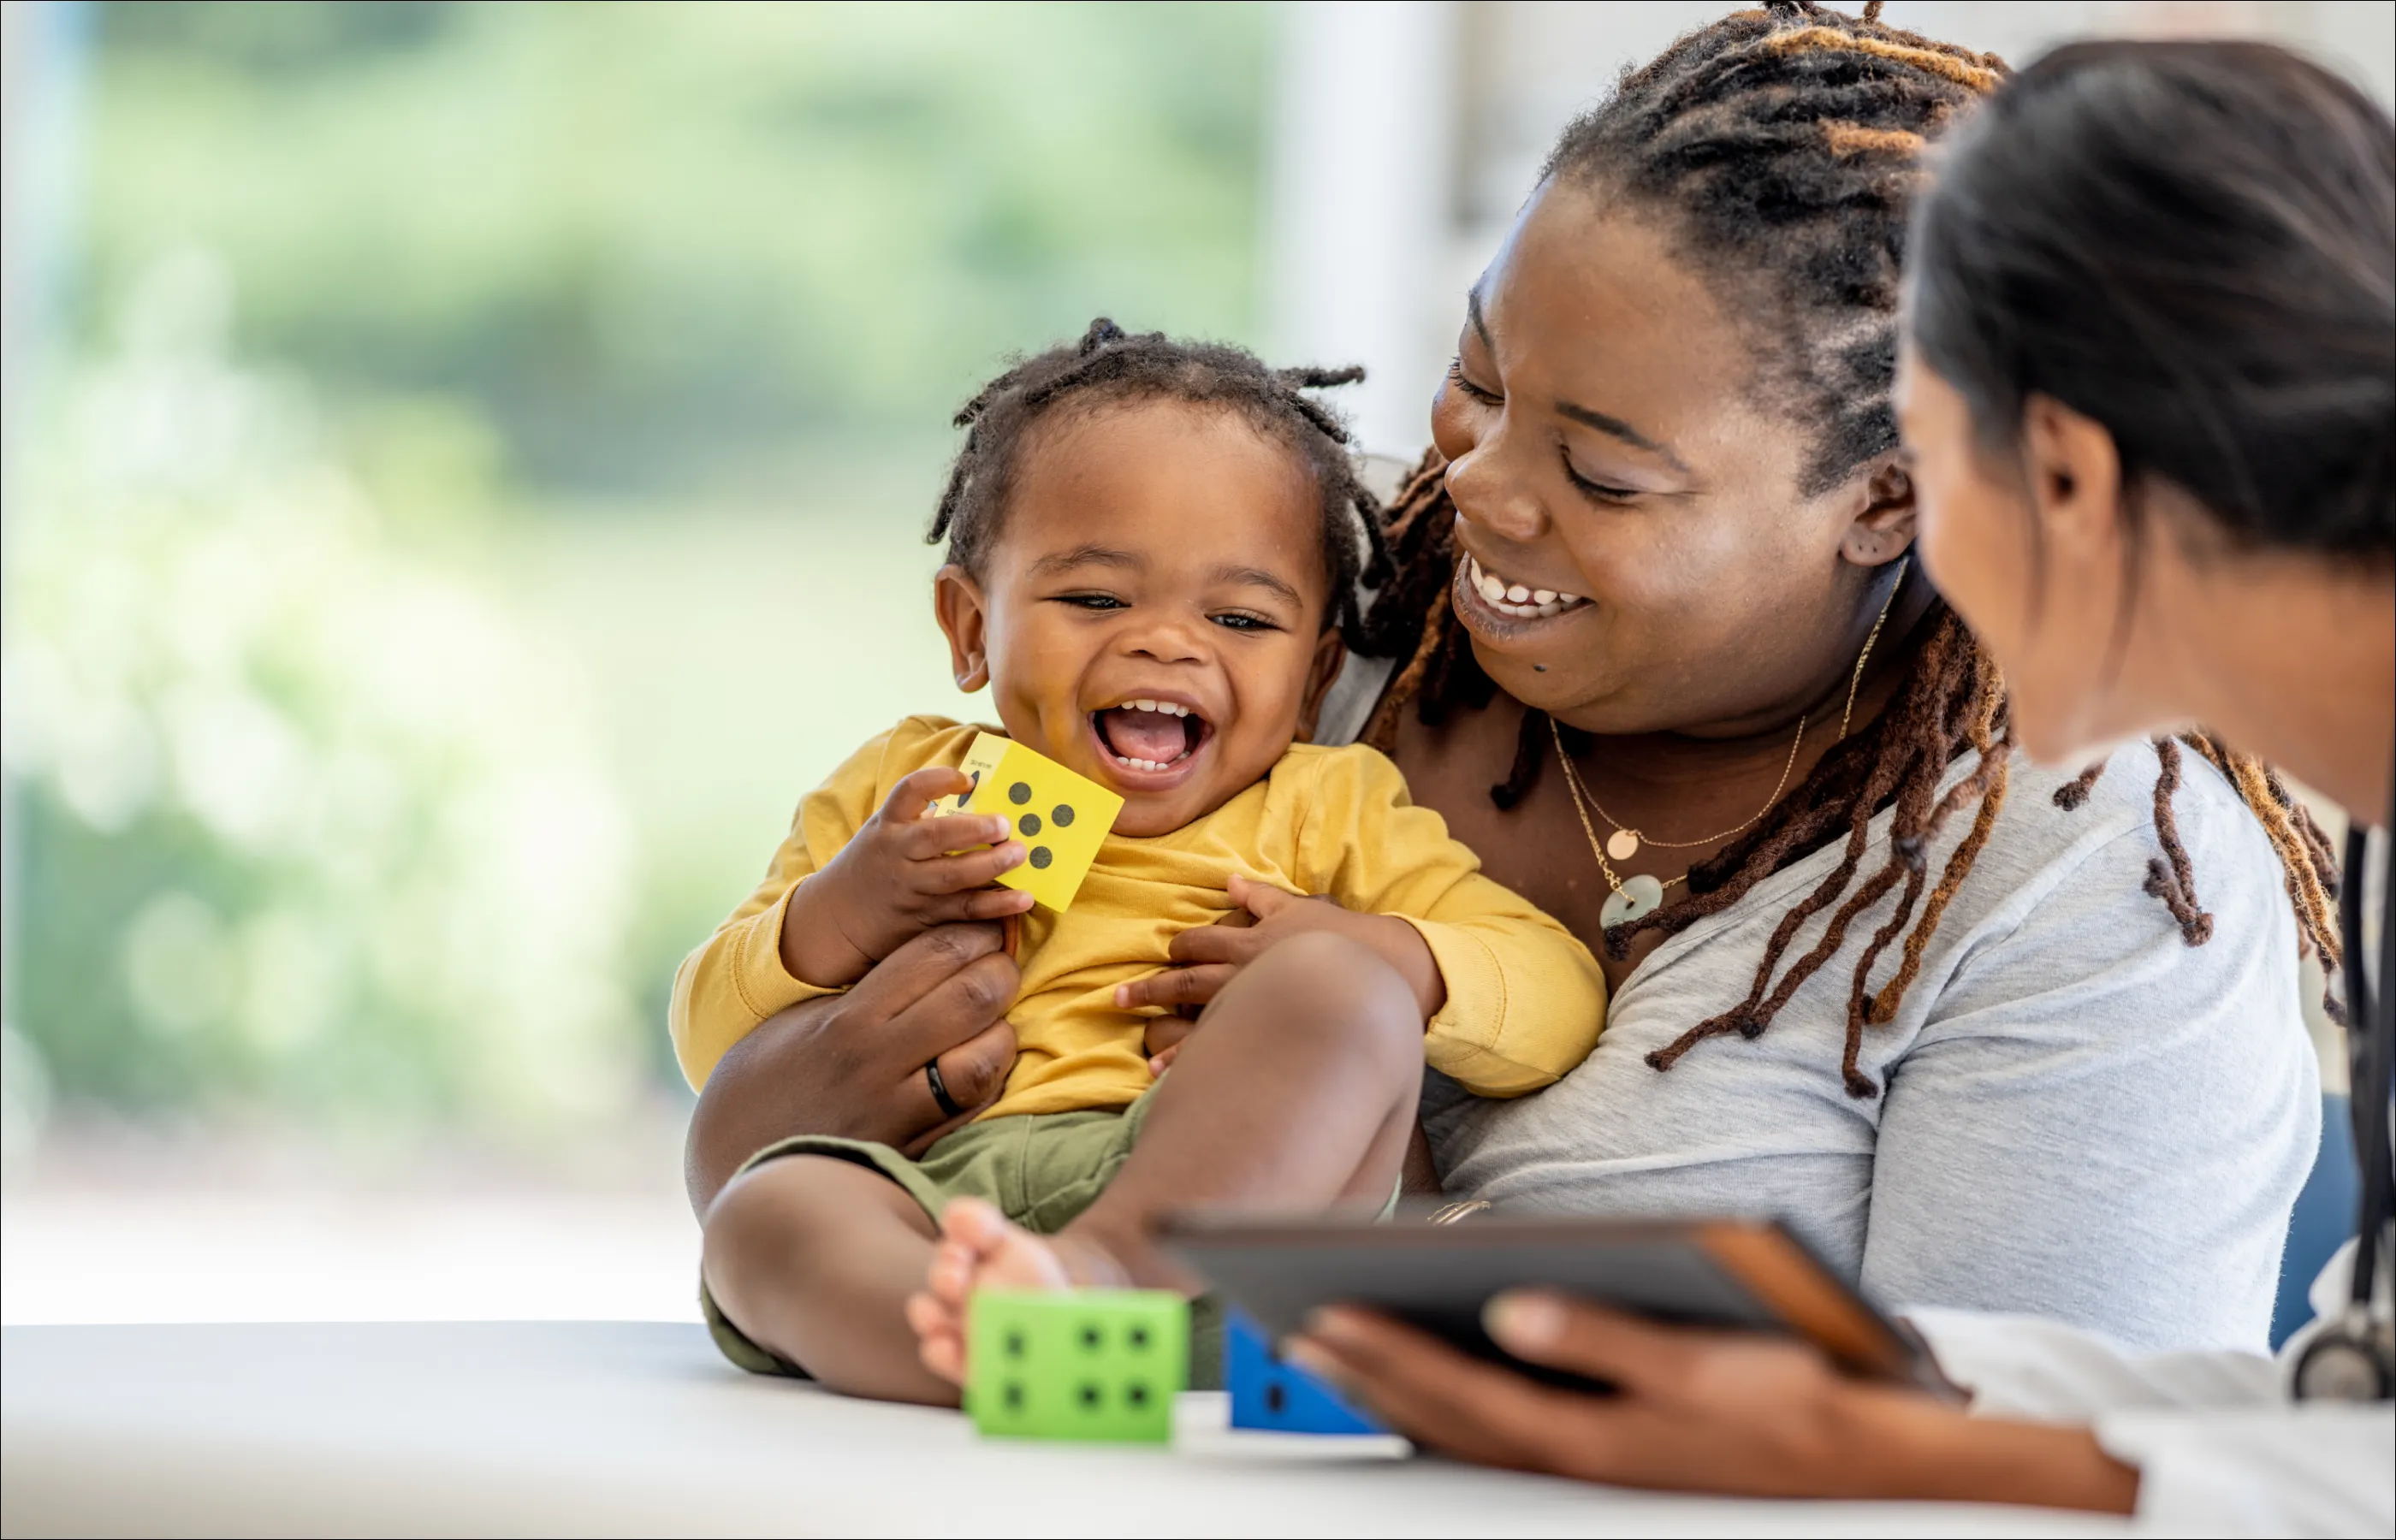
(1209, 955)
(1697, 1411)
(852, 1064)
(895, 879)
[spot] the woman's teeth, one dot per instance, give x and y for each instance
(1516, 599)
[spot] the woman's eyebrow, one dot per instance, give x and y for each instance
(1614, 427)
(1085, 555)
(1480, 322)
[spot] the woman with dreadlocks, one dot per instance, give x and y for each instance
(2148, 392)
(1657, 644)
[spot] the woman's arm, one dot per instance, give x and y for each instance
(852, 1064)
(1699, 1412)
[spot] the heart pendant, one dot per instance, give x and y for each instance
(1623, 844)
(1637, 896)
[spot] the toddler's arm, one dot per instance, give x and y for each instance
(862, 872)
(1512, 1002)
(1525, 1000)
(894, 878)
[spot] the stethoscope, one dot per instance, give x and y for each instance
(2353, 1356)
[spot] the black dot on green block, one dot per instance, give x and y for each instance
(1014, 1345)
(1137, 1337)
(1062, 815)
(1029, 824)
(1090, 1338)
(1014, 1396)
(1019, 793)
(1136, 1393)
(1040, 857)
(1090, 1397)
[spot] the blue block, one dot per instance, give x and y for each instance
(1268, 1395)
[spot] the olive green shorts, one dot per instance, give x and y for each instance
(1041, 1170)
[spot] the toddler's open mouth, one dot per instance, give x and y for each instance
(1149, 735)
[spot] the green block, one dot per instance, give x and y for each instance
(1093, 1364)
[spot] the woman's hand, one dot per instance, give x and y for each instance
(1697, 1410)
(1209, 955)
(852, 1064)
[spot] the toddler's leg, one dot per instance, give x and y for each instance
(814, 1259)
(1298, 1089)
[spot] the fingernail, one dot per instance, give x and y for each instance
(1525, 1319)
(1313, 1360)
(1330, 1323)
(999, 829)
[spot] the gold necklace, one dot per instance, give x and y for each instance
(1641, 894)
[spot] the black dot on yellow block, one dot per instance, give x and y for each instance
(1019, 793)
(1062, 815)
(1029, 824)
(1041, 856)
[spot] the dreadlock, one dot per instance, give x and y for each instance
(1785, 142)
(1109, 365)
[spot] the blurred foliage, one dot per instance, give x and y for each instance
(311, 825)
(359, 771)
(659, 240)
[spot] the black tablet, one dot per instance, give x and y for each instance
(1748, 1274)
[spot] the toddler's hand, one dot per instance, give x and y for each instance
(1211, 955)
(897, 878)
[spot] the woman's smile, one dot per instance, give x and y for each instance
(1486, 602)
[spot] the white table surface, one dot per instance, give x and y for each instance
(640, 1428)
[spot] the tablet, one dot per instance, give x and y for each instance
(1746, 1274)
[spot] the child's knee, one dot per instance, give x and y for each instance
(1322, 982)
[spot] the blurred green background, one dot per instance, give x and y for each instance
(475, 486)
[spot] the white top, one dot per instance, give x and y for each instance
(2084, 1117)
(2221, 1448)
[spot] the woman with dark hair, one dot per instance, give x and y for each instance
(1649, 633)
(1652, 636)
(2149, 402)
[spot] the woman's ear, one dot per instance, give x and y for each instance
(1330, 656)
(1883, 529)
(964, 615)
(2074, 470)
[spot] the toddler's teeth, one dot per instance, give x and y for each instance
(1517, 594)
(1543, 596)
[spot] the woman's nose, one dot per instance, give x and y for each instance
(1488, 493)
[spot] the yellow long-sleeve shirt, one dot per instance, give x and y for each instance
(1526, 1001)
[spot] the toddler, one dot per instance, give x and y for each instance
(1152, 548)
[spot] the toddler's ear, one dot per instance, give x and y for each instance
(958, 605)
(1330, 656)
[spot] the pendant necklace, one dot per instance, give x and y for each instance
(1636, 897)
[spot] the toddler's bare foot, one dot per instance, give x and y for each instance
(981, 1249)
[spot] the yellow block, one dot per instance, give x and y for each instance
(1060, 817)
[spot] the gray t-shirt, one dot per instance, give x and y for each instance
(2082, 1118)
